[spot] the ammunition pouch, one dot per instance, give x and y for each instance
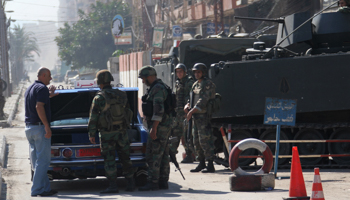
(147, 106)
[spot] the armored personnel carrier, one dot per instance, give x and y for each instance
(309, 63)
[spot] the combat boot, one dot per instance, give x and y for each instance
(188, 158)
(163, 185)
(130, 184)
(113, 188)
(200, 166)
(149, 186)
(210, 167)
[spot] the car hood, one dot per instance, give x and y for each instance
(76, 103)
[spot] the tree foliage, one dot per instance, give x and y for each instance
(22, 48)
(89, 42)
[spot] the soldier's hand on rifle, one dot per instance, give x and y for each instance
(92, 140)
(189, 115)
(187, 108)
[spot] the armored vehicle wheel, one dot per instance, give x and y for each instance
(285, 148)
(340, 147)
(241, 135)
(311, 148)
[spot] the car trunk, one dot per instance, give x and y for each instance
(70, 114)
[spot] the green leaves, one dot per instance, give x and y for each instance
(89, 42)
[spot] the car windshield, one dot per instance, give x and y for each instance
(74, 121)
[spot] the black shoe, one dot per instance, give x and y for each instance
(45, 194)
(200, 166)
(210, 167)
(130, 184)
(163, 185)
(187, 159)
(54, 191)
(149, 186)
(113, 188)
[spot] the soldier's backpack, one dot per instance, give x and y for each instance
(214, 105)
(170, 101)
(115, 111)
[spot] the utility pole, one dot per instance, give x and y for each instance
(4, 57)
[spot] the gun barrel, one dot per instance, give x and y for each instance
(278, 20)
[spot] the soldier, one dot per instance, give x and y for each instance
(183, 87)
(159, 123)
(110, 115)
(203, 90)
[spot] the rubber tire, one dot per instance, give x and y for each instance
(340, 147)
(310, 148)
(285, 148)
(241, 135)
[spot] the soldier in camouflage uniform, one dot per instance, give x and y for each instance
(107, 115)
(183, 86)
(159, 123)
(203, 90)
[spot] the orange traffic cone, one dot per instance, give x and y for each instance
(317, 191)
(297, 185)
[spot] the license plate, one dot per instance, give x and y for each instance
(88, 152)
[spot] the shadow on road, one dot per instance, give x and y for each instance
(68, 189)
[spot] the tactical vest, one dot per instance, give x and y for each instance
(180, 92)
(169, 103)
(115, 111)
(197, 88)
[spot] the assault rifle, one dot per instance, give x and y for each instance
(173, 157)
(189, 124)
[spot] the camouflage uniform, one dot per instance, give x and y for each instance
(111, 140)
(202, 134)
(183, 88)
(157, 151)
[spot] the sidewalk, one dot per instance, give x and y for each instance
(10, 110)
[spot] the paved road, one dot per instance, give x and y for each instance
(16, 174)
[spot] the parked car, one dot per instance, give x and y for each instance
(72, 154)
(72, 80)
(86, 76)
(70, 74)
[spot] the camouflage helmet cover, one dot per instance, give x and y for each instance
(146, 71)
(181, 66)
(103, 77)
(200, 66)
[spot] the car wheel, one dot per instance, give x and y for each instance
(141, 177)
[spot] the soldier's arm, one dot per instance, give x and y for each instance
(95, 109)
(159, 96)
(205, 94)
(187, 90)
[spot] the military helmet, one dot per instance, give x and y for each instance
(147, 71)
(181, 66)
(200, 66)
(103, 77)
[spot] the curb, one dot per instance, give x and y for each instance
(13, 112)
(2, 160)
(2, 152)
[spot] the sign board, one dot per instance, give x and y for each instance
(177, 31)
(85, 84)
(280, 111)
(211, 28)
(117, 26)
(158, 36)
(124, 39)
